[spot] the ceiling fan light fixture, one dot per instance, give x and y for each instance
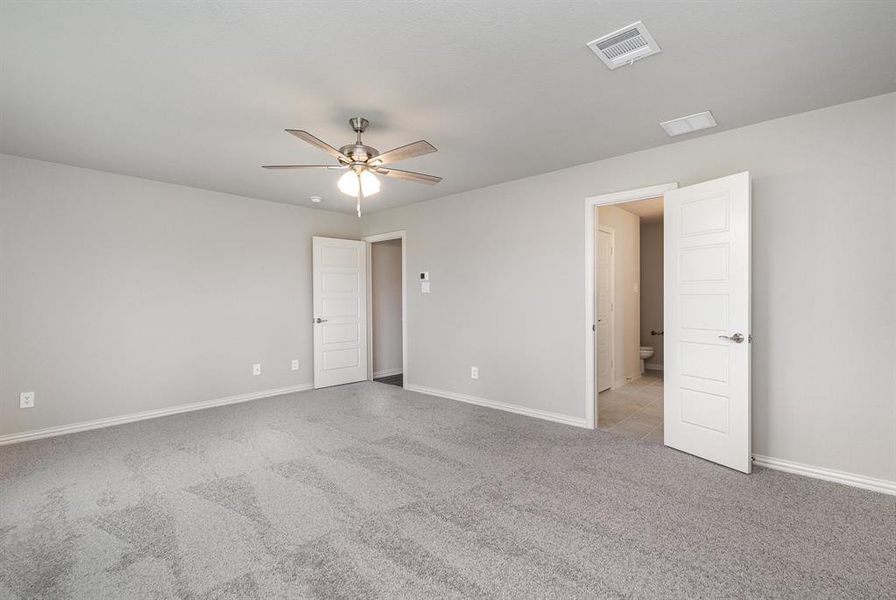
(360, 162)
(348, 183)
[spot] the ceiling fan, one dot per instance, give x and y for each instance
(361, 162)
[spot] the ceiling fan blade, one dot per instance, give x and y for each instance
(303, 167)
(404, 152)
(319, 144)
(409, 175)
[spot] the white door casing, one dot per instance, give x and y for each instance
(339, 300)
(707, 302)
(604, 326)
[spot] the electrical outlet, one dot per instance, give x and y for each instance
(26, 400)
(474, 372)
(256, 369)
(295, 364)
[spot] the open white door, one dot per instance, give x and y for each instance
(707, 320)
(606, 240)
(339, 294)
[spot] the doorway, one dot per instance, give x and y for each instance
(706, 400)
(629, 310)
(387, 341)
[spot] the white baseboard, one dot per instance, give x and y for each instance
(37, 434)
(387, 372)
(860, 481)
(651, 367)
(520, 410)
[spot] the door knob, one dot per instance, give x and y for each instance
(737, 338)
(319, 320)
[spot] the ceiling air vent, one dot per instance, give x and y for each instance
(625, 46)
(690, 123)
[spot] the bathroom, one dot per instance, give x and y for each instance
(629, 309)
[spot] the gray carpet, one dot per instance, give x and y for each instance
(370, 491)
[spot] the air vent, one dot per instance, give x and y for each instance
(625, 46)
(690, 123)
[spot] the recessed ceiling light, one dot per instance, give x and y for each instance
(625, 46)
(682, 125)
(315, 199)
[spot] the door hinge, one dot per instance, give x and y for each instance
(594, 328)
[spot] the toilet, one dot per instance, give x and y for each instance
(645, 352)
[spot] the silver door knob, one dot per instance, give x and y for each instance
(737, 338)
(319, 320)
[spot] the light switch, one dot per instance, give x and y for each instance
(424, 287)
(26, 400)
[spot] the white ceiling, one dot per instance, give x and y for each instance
(649, 210)
(199, 93)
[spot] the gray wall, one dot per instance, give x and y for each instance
(652, 289)
(507, 267)
(120, 295)
(385, 262)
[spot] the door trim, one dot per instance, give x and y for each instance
(370, 240)
(611, 232)
(590, 219)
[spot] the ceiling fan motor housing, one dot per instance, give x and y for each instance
(359, 152)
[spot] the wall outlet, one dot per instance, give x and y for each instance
(424, 287)
(295, 364)
(256, 369)
(26, 400)
(474, 372)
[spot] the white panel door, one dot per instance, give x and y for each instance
(604, 326)
(707, 320)
(339, 291)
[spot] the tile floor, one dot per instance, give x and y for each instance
(634, 410)
(392, 380)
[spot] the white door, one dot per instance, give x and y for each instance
(339, 294)
(604, 327)
(707, 320)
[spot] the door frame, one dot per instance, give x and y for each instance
(591, 219)
(370, 240)
(612, 232)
